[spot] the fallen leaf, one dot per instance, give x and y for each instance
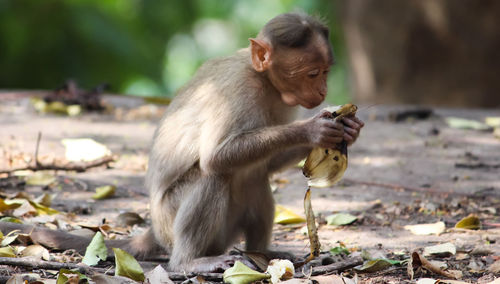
(9, 238)
(426, 229)
(44, 199)
(43, 210)
(7, 252)
(41, 178)
(11, 219)
(280, 269)
(495, 267)
(107, 279)
(84, 149)
(4, 206)
(127, 266)
(67, 276)
(374, 265)
(418, 260)
(493, 121)
(36, 251)
(340, 219)
(312, 231)
(470, 222)
(158, 275)
(284, 215)
(95, 251)
(441, 250)
(242, 274)
(103, 192)
(258, 258)
(128, 219)
(333, 279)
(339, 250)
(461, 123)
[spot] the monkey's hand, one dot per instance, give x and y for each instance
(352, 128)
(322, 131)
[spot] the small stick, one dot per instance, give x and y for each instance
(52, 265)
(70, 166)
(37, 162)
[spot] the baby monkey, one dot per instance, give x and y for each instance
(224, 134)
(228, 130)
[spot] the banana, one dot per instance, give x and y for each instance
(325, 167)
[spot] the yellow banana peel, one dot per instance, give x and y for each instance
(325, 167)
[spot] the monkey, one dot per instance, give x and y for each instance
(225, 132)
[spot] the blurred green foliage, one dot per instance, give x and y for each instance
(140, 47)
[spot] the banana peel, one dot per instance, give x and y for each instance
(325, 167)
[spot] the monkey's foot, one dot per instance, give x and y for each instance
(215, 263)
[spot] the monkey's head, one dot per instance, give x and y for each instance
(295, 53)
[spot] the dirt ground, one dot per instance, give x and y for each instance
(400, 173)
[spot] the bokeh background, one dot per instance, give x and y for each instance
(434, 52)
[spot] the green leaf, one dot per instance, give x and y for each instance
(340, 219)
(470, 222)
(339, 250)
(11, 219)
(96, 250)
(242, 274)
(63, 279)
(374, 265)
(127, 266)
(103, 192)
(7, 252)
(461, 123)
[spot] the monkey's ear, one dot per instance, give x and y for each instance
(261, 54)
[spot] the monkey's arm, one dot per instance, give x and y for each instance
(288, 158)
(247, 147)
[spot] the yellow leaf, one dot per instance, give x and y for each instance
(493, 121)
(127, 266)
(242, 274)
(470, 222)
(7, 252)
(37, 251)
(284, 215)
(103, 192)
(43, 210)
(4, 206)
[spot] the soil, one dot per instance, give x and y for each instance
(400, 173)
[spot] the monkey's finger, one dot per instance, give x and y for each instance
(351, 131)
(349, 138)
(352, 123)
(325, 114)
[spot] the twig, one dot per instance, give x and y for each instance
(39, 264)
(70, 166)
(338, 266)
(37, 162)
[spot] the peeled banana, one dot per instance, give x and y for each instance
(325, 167)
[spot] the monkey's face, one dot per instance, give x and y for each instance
(300, 75)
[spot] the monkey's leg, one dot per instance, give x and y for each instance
(200, 225)
(261, 216)
(259, 219)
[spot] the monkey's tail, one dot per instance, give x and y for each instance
(141, 247)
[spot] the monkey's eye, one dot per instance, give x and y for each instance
(326, 72)
(313, 74)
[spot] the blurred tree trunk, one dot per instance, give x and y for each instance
(435, 52)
